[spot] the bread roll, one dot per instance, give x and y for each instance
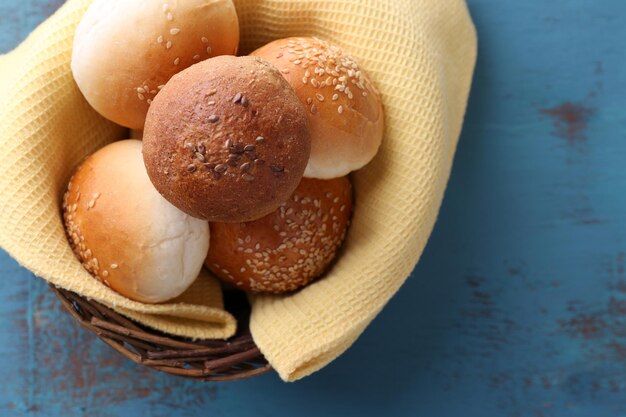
(288, 248)
(125, 50)
(227, 140)
(126, 234)
(344, 107)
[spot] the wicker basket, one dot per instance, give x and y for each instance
(205, 360)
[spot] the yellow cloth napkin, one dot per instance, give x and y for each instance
(46, 129)
(421, 55)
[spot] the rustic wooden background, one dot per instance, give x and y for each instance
(518, 306)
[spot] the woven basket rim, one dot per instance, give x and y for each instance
(233, 359)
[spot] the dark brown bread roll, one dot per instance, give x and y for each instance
(227, 140)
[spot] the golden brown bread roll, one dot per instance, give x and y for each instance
(125, 50)
(344, 107)
(288, 248)
(125, 233)
(227, 140)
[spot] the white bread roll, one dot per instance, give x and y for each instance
(124, 50)
(125, 233)
(345, 109)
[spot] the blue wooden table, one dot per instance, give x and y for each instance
(518, 306)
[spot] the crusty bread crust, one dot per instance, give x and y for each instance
(227, 140)
(288, 248)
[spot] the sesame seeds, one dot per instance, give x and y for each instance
(319, 97)
(221, 168)
(114, 266)
(204, 39)
(296, 246)
(223, 154)
(209, 50)
(75, 236)
(276, 168)
(174, 31)
(196, 57)
(160, 39)
(177, 61)
(327, 66)
(239, 98)
(168, 45)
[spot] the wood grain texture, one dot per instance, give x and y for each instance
(518, 306)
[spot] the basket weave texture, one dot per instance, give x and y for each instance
(206, 360)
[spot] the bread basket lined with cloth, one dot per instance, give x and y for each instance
(421, 56)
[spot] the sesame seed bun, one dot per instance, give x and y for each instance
(344, 108)
(290, 247)
(126, 234)
(124, 50)
(227, 140)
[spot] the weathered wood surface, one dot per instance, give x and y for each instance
(518, 307)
